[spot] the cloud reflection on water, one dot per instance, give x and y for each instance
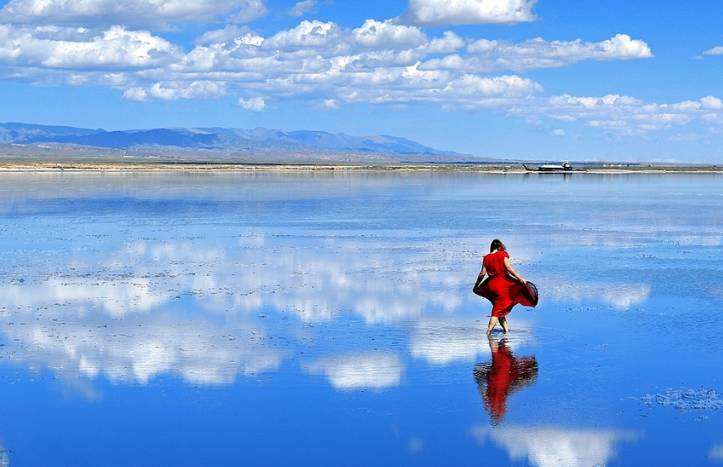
(444, 340)
(134, 351)
(362, 283)
(373, 370)
(619, 295)
(317, 283)
(420, 283)
(554, 446)
(716, 452)
(117, 297)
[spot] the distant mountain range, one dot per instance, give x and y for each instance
(224, 140)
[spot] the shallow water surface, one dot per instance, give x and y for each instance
(275, 319)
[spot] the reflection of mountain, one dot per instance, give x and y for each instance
(364, 370)
(556, 447)
(502, 376)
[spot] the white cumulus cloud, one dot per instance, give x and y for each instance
(172, 90)
(379, 62)
(711, 103)
(77, 48)
(622, 114)
(302, 7)
(129, 12)
(135, 94)
(249, 10)
(440, 12)
(307, 34)
(717, 50)
(376, 33)
(487, 55)
(257, 104)
(330, 104)
(229, 33)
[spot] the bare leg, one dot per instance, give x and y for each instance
(505, 326)
(491, 325)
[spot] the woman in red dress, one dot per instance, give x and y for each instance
(505, 287)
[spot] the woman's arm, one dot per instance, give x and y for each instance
(512, 271)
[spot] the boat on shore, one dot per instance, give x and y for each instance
(564, 167)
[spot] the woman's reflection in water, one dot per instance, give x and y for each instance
(506, 373)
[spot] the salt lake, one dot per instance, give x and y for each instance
(327, 319)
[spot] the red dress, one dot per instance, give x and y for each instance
(500, 289)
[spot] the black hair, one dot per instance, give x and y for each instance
(497, 245)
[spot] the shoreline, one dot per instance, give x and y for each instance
(210, 167)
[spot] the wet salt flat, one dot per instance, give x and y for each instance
(276, 319)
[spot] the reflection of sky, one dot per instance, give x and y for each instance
(716, 453)
(556, 447)
(620, 296)
(441, 341)
(135, 350)
(275, 245)
(367, 279)
(364, 370)
(359, 285)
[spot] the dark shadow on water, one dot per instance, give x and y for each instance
(497, 379)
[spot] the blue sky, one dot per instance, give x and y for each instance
(509, 78)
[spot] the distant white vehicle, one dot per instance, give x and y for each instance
(565, 166)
